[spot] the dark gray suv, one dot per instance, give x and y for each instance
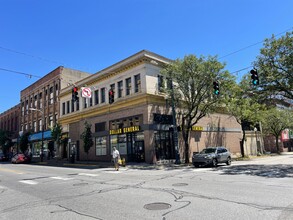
(212, 156)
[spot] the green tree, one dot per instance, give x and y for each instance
(56, 133)
(193, 90)
(5, 140)
(24, 142)
(243, 105)
(275, 67)
(87, 137)
(275, 121)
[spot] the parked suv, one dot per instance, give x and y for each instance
(212, 156)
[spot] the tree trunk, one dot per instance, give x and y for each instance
(242, 143)
(277, 144)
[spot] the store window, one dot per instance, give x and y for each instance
(119, 141)
(101, 146)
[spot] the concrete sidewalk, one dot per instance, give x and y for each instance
(96, 165)
(142, 166)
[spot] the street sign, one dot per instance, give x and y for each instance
(86, 92)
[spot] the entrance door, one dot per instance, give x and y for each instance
(139, 151)
(135, 148)
(164, 145)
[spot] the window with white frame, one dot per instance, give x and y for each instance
(40, 125)
(35, 126)
(51, 120)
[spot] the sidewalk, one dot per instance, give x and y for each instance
(96, 165)
(142, 166)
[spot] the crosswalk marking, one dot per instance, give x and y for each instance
(60, 178)
(31, 182)
(87, 174)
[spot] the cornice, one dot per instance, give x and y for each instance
(120, 105)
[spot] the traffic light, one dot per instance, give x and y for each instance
(111, 96)
(75, 94)
(254, 77)
(216, 88)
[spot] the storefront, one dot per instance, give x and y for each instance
(130, 142)
(36, 140)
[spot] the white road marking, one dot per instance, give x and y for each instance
(31, 182)
(87, 174)
(60, 178)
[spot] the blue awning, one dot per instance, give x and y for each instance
(38, 136)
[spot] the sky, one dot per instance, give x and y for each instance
(37, 36)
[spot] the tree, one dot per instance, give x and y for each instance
(275, 121)
(56, 133)
(5, 141)
(275, 67)
(23, 142)
(87, 137)
(193, 89)
(244, 106)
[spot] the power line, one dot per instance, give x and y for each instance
(244, 48)
(33, 56)
(26, 74)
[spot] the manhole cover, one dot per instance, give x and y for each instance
(157, 206)
(180, 184)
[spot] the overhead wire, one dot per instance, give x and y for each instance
(56, 62)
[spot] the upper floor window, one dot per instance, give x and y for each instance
(96, 97)
(161, 83)
(137, 83)
(120, 89)
(72, 106)
(63, 108)
(128, 86)
(85, 104)
(103, 95)
(68, 107)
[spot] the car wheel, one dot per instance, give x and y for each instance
(214, 162)
(228, 161)
(195, 165)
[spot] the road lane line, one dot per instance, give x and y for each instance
(11, 171)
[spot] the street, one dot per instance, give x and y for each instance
(261, 188)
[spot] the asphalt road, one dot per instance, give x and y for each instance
(256, 189)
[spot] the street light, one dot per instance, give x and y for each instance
(42, 146)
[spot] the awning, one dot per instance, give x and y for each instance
(38, 136)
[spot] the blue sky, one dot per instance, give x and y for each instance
(37, 36)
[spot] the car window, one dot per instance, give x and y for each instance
(224, 150)
(208, 151)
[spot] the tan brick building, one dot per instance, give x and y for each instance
(138, 122)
